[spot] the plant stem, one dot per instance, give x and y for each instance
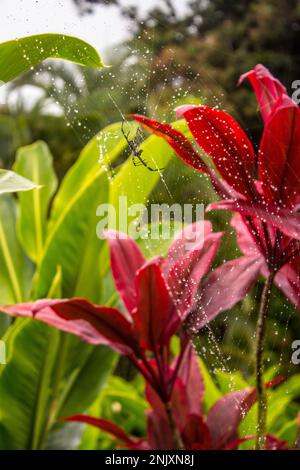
(260, 340)
(165, 397)
(177, 367)
(176, 434)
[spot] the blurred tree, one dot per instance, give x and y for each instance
(20, 126)
(215, 41)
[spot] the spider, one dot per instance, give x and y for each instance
(136, 152)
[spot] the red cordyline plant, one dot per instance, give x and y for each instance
(159, 295)
(264, 190)
(183, 424)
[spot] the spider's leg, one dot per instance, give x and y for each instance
(126, 136)
(122, 127)
(138, 156)
(153, 169)
(136, 162)
(143, 162)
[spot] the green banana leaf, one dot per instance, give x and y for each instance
(32, 384)
(20, 55)
(25, 384)
(16, 270)
(35, 162)
(71, 240)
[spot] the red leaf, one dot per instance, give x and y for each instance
(220, 136)
(179, 402)
(184, 149)
(93, 324)
(48, 316)
(287, 221)
(226, 414)
(187, 263)
(273, 443)
(125, 258)
(111, 428)
(160, 434)
(191, 236)
(180, 110)
(187, 392)
(288, 281)
(113, 328)
(274, 382)
(223, 288)
(279, 165)
(155, 401)
(287, 278)
(195, 434)
(155, 317)
(30, 309)
(245, 240)
(179, 143)
(43, 311)
(191, 377)
(267, 88)
(234, 444)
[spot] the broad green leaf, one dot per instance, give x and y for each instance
(230, 381)
(48, 374)
(10, 182)
(289, 432)
(82, 386)
(82, 370)
(35, 162)
(19, 55)
(55, 291)
(15, 269)
(277, 405)
(25, 384)
(281, 403)
(72, 241)
(99, 152)
(5, 322)
(290, 387)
